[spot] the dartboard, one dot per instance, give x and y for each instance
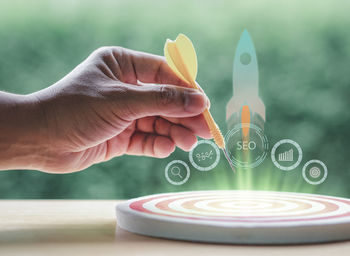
(257, 217)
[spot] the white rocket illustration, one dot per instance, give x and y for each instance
(246, 105)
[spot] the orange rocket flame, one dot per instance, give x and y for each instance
(245, 119)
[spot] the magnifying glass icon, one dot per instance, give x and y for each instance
(177, 168)
(176, 171)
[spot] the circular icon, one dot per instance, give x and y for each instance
(177, 172)
(283, 154)
(315, 172)
(246, 149)
(205, 155)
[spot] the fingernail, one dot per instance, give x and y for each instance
(195, 101)
(208, 103)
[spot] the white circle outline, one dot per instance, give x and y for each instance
(324, 175)
(177, 182)
(213, 165)
(264, 141)
(286, 168)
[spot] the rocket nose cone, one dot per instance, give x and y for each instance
(245, 43)
(245, 33)
(245, 67)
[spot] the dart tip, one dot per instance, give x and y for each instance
(229, 160)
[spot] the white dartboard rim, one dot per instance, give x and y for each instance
(233, 233)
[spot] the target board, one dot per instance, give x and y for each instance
(241, 217)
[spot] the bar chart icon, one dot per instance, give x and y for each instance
(286, 156)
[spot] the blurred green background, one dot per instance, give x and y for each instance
(303, 50)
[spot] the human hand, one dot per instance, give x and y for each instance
(117, 102)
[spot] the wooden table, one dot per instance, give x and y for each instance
(84, 227)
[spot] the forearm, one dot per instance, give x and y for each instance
(20, 131)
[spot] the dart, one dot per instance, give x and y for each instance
(182, 59)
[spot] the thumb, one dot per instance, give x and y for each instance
(165, 100)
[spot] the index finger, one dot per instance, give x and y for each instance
(145, 67)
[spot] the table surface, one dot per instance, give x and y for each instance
(88, 227)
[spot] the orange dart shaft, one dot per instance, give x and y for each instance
(214, 130)
(213, 127)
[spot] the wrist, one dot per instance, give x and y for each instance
(21, 132)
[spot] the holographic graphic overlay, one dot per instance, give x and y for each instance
(246, 152)
(286, 154)
(177, 172)
(205, 155)
(245, 85)
(314, 172)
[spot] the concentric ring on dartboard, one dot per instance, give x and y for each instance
(237, 210)
(186, 207)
